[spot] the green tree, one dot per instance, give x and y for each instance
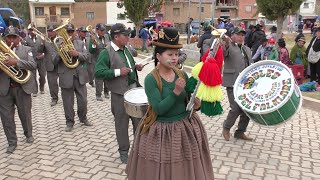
(278, 10)
(137, 10)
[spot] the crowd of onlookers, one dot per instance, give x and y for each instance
(271, 47)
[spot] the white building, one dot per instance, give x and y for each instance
(308, 9)
(116, 15)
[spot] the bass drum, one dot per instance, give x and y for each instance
(136, 102)
(266, 91)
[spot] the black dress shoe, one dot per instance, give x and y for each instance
(53, 103)
(11, 148)
(30, 140)
(86, 123)
(68, 128)
(99, 98)
(124, 158)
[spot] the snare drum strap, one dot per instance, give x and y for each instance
(151, 116)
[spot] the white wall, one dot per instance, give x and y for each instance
(113, 11)
(310, 10)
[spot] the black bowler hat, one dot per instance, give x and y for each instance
(168, 37)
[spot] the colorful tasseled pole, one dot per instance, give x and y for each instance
(208, 71)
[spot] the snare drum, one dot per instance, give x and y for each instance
(266, 91)
(136, 102)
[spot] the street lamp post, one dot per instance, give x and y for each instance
(200, 3)
(213, 11)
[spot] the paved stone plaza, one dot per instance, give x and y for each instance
(290, 151)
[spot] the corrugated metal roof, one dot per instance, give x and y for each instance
(52, 1)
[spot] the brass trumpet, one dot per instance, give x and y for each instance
(20, 76)
(41, 35)
(92, 35)
(65, 47)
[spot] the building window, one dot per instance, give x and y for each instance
(176, 11)
(202, 9)
(225, 10)
(39, 11)
(248, 9)
(65, 11)
(121, 16)
(306, 5)
(90, 15)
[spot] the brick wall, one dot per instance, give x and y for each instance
(244, 6)
(81, 8)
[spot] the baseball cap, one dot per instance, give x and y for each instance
(11, 31)
(50, 28)
(119, 28)
(70, 27)
(82, 29)
(100, 27)
(238, 30)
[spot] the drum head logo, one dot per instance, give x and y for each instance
(264, 88)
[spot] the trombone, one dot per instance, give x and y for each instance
(41, 35)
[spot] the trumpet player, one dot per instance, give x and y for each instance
(47, 48)
(13, 93)
(73, 80)
(89, 63)
(34, 41)
(95, 50)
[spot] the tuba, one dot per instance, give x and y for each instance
(65, 46)
(20, 76)
(92, 35)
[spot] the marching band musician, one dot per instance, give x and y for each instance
(73, 81)
(14, 94)
(236, 58)
(52, 70)
(33, 41)
(95, 50)
(116, 65)
(90, 66)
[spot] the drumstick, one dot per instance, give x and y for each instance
(133, 67)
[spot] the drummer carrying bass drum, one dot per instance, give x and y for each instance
(236, 58)
(116, 65)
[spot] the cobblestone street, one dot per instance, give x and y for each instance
(290, 151)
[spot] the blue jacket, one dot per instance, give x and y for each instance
(144, 34)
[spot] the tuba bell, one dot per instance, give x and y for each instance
(20, 76)
(65, 46)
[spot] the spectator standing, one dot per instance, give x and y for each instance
(283, 52)
(144, 35)
(298, 54)
(271, 53)
(299, 35)
(314, 46)
(256, 39)
(248, 37)
(189, 29)
(206, 35)
(220, 24)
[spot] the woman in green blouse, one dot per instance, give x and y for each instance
(169, 145)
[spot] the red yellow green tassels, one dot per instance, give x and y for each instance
(209, 92)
